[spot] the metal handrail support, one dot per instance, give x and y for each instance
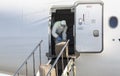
(61, 52)
(25, 62)
(70, 66)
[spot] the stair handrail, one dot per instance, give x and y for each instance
(25, 62)
(56, 60)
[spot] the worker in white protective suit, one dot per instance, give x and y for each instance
(59, 31)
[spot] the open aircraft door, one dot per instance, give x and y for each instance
(89, 27)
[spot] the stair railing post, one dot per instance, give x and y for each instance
(34, 64)
(26, 69)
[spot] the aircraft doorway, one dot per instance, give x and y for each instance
(58, 14)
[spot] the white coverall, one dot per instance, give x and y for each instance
(58, 28)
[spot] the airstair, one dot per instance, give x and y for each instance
(61, 64)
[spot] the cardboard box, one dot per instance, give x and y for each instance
(44, 70)
(58, 48)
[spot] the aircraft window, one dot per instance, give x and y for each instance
(113, 22)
